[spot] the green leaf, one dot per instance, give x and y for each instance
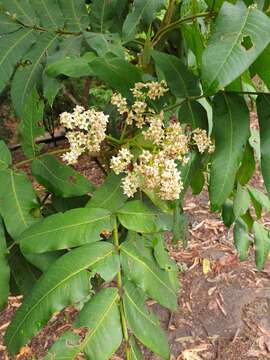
(58, 178)
(180, 226)
(263, 109)
(72, 66)
(135, 351)
(23, 274)
(102, 14)
(75, 14)
(247, 167)
(116, 72)
(17, 199)
(143, 11)
(231, 132)
(260, 197)
(194, 39)
(189, 170)
(193, 113)
(5, 156)
(49, 13)
(8, 25)
(105, 43)
(262, 244)
(13, 46)
(29, 75)
(143, 324)
(144, 271)
(4, 268)
(261, 68)
(241, 201)
(21, 10)
(66, 282)
(101, 316)
(228, 216)
(239, 37)
(65, 230)
(109, 195)
(136, 216)
(31, 125)
(241, 238)
(180, 80)
(197, 182)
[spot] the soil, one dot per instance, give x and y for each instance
(224, 305)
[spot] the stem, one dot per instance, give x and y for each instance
(119, 286)
(124, 131)
(55, 152)
(175, 24)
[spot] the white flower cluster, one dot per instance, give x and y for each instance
(152, 171)
(155, 169)
(86, 130)
(203, 141)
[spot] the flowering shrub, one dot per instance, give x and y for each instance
(160, 92)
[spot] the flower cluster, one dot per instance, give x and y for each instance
(202, 141)
(86, 129)
(155, 169)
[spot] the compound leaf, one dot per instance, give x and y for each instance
(65, 282)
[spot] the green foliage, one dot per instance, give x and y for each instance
(59, 241)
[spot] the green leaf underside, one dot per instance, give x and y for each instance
(4, 268)
(263, 109)
(102, 15)
(262, 244)
(101, 316)
(135, 351)
(241, 201)
(231, 132)
(49, 13)
(193, 113)
(23, 274)
(31, 125)
(66, 282)
(5, 156)
(146, 273)
(21, 41)
(65, 230)
(136, 216)
(143, 324)
(75, 14)
(241, 239)
(28, 76)
(22, 10)
(143, 11)
(17, 199)
(8, 25)
(180, 80)
(226, 57)
(59, 178)
(109, 195)
(116, 72)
